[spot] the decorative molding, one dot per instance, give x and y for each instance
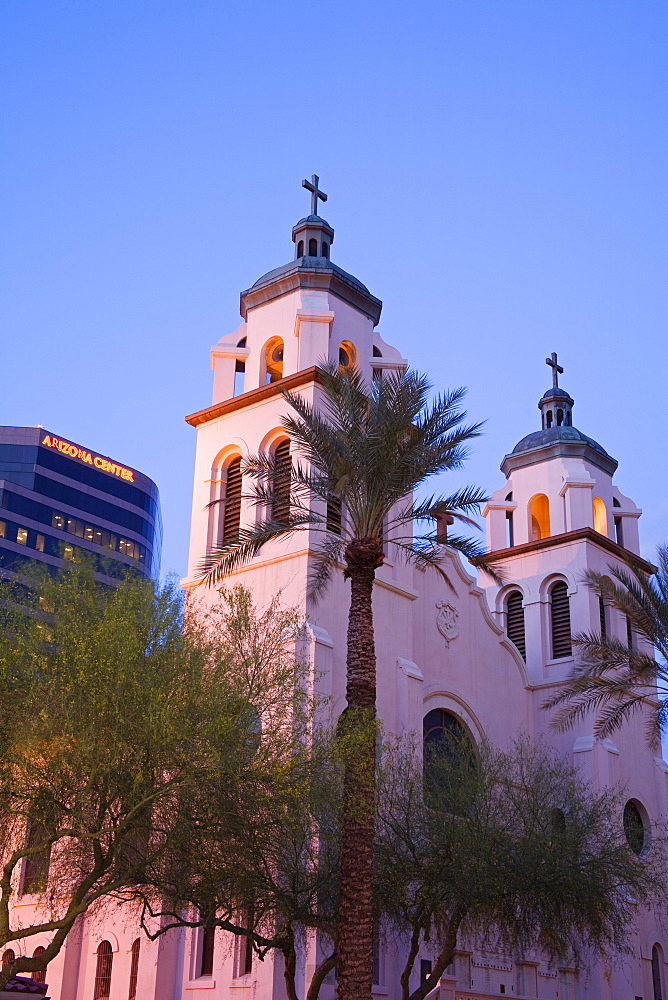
(446, 621)
(410, 669)
(308, 316)
(305, 377)
(566, 537)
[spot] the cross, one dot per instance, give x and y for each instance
(316, 193)
(552, 362)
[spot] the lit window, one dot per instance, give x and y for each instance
(89, 533)
(68, 553)
(39, 543)
(22, 536)
(3, 529)
(58, 521)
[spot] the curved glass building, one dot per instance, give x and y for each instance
(58, 497)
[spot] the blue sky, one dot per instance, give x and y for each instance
(497, 174)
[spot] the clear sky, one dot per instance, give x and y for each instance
(497, 173)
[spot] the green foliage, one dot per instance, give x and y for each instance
(616, 679)
(365, 448)
(517, 852)
(118, 716)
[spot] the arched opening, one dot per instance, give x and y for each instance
(273, 360)
(38, 975)
(657, 976)
(560, 417)
(313, 248)
(560, 620)
(568, 419)
(208, 938)
(636, 827)
(280, 508)
(515, 621)
(134, 969)
(376, 353)
(300, 248)
(347, 354)
(8, 957)
(510, 529)
(36, 866)
(600, 516)
(539, 517)
(449, 760)
(105, 958)
(548, 418)
(325, 249)
(232, 502)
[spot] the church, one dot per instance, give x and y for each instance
(475, 654)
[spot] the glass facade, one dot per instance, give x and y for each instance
(57, 498)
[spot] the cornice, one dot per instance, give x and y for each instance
(579, 535)
(304, 377)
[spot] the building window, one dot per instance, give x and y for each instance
(425, 970)
(600, 517)
(325, 249)
(22, 536)
(105, 960)
(515, 621)
(446, 738)
(619, 531)
(3, 529)
(602, 618)
(657, 962)
(300, 248)
(39, 975)
(280, 509)
(539, 517)
(36, 866)
(560, 620)
(273, 361)
(8, 957)
(629, 632)
(243, 959)
(232, 502)
(39, 543)
(239, 377)
(134, 969)
(68, 553)
(334, 514)
(58, 521)
(206, 954)
(636, 830)
(313, 248)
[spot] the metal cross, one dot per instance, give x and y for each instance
(316, 193)
(552, 362)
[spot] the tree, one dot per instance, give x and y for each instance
(616, 678)
(363, 452)
(510, 848)
(114, 718)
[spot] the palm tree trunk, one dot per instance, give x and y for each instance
(355, 934)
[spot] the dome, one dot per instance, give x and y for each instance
(555, 435)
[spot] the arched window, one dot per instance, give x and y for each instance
(636, 828)
(39, 975)
(560, 620)
(280, 509)
(313, 248)
(300, 248)
(515, 621)
(548, 418)
(325, 249)
(8, 957)
(105, 958)
(36, 866)
(600, 517)
(232, 502)
(134, 969)
(346, 354)
(273, 360)
(449, 757)
(657, 978)
(510, 530)
(539, 517)
(560, 417)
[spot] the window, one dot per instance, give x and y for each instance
(347, 354)
(68, 553)
(325, 249)
(243, 963)
(560, 620)
(22, 536)
(657, 962)
(36, 866)
(425, 970)
(239, 377)
(539, 517)
(300, 248)
(280, 510)
(273, 361)
(232, 502)
(134, 969)
(448, 755)
(600, 517)
(313, 248)
(39, 543)
(206, 955)
(619, 531)
(548, 418)
(58, 521)
(515, 621)
(39, 975)
(105, 960)
(8, 957)
(602, 618)
(334, 512)
(629, 632)
(636, 830)
(376, 353)
(3, 529)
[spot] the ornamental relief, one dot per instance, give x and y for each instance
(446, 621)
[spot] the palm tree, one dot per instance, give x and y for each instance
(617, 678)
(361, 452)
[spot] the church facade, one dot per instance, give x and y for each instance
(485, 654)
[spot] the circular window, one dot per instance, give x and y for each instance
(636, 829)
